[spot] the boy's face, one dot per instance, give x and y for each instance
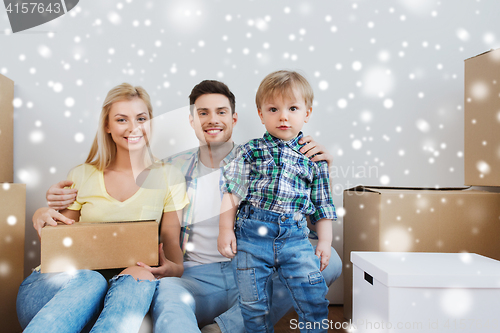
(212, 119)
(284, 116)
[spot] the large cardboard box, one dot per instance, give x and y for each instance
(12, 215)
(418, 220)
(98, 245)
(6, 130)
(425, 292)
(482, 119)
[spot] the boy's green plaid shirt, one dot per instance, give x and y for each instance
(273, 174)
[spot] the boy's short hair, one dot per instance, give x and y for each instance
(211, 87)
(282, 83)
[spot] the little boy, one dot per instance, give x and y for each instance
(278, 187)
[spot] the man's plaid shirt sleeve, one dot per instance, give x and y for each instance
(237, 173)
(321, 196)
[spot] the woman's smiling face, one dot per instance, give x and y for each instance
(128, 123)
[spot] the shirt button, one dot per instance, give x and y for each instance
(279, 202)
(283, 218)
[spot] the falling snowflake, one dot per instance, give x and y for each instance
(79, 137)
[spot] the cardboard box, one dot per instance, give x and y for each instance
(425, 292)
(12, 215)
(482, 119)
(6, 130)
(418, 220)
(99, 245)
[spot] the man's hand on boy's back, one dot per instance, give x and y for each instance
(58, 197)
(313, 148)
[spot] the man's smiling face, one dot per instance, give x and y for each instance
(212, 119)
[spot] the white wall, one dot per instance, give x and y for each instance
(388, 79)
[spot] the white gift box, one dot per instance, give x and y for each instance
(425, 292)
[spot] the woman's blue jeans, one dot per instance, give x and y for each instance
(60, 302)
(64, 302)
(125, 305)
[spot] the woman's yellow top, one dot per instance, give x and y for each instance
(164, 190)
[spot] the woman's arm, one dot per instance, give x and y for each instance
(48, 216)
(171, 256)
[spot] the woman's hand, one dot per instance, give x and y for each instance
(48, 216)
(58, 197)
(314, 148)
(165, 269)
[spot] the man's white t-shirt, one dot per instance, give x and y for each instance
(202, 245)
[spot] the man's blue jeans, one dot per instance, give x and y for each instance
(60, 302)
(271, 242)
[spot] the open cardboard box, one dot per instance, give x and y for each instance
(103, 245)
(389, 219)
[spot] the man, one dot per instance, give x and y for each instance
(206, 294)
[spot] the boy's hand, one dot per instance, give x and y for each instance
(226, 243)
(323, 252)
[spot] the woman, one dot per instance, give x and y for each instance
(107, 191)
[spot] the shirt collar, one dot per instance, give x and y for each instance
(229, 157)
(293, 143)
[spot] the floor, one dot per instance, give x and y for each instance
(335, 318)
(285, 325)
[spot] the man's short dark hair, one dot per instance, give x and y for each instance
(212, 87)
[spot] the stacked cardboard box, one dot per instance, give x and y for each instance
(12, 215)
(6, 130)
(418, 220)
(438, 220)
(482, 119)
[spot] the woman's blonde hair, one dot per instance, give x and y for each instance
(103, 150)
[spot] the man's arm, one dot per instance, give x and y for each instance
(313, 148)
(58, 197)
